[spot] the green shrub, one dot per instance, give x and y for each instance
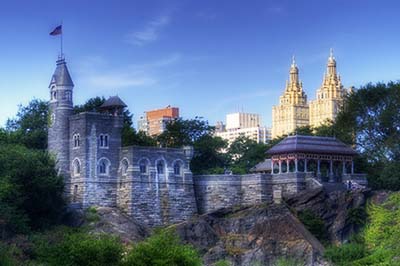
(161, 249)
(222, 263)
(314, 224)
(345, 254)
(357, 216)
(6, 258)
(91, 215)
(288, 262)
(68, 247)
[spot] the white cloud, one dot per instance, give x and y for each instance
(95, 72)
(150, 32)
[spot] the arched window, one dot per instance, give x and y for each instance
(143, 166)
(104, 166)
(160, 167)
(177, 168)
(76, 167)
(124, 167)
(53, 95)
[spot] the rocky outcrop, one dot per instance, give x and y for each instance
(112, 221)
(257, 235)
(341, 210)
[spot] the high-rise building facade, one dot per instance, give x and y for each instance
(243, 124)
(156, 120)
(292, 111)
(329, 96)
(242, 120)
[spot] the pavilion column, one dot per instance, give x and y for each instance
(296, 165)
(344, 167)
(287, 165)
(305, 165)
(272, 166)
(319, 167)
(280, 167)
(352, 167)
(331, 179)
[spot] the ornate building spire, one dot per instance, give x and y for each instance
(294, 75)
(331, 69)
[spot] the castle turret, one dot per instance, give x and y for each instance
(61, 108)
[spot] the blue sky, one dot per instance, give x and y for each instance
(207, 57)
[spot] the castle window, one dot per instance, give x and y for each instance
(124, 166)
(143, 166)
(177, 168)
(68, 95)
(77, 140)
(53, 95)
(76, 167)
(103, 141)
(104, 166)
(160, 167)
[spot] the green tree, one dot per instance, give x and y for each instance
(181, 132)
(208, 156)
(245, 153)
(29, 127)
(30, 190)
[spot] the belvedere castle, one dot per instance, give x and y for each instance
(155, 185)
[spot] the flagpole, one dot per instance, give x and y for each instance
(62, 55)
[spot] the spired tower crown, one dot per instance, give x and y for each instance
(294, 93)
(61, 108)
(329, 96)
(292, 111)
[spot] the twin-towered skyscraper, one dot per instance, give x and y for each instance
(294, 111)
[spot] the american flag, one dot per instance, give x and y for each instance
(57, 31)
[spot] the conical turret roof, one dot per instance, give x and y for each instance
(61, 76)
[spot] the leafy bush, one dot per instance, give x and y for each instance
(31, 193)
(357, 216)
(288, 262)
(222, 263)
(160, 249)
(344, 254)
(6, 258)
(314, 224)
(68, 247)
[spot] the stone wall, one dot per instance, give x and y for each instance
(153, 197)
(289, 183)
(90, 187)
(220, 191)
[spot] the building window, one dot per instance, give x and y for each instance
(160, 167)
(124, 166)
(53, 95)
(177, 168)
(68, 95)
(104, 166)
(77, 140)
(143, 166)
(103, 141)
(76, 167)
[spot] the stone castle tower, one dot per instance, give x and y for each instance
(292, 111)
(329, 96)
(61, 108)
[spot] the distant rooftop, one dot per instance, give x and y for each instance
(311, 144)
(113, 101)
